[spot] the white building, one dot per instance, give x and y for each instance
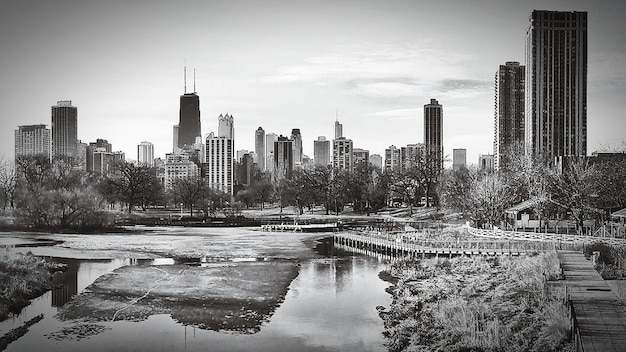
(145, 154)
(219, 163)
(32, 140)
(177, 166)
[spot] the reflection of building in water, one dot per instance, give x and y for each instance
(65, 283)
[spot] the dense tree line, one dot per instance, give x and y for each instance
(580, 189)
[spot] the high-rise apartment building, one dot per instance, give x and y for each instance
(259, 147)
(64, 129)
(509, 112)
(283, 159)
(343, 159)
(145, 154)
(360, 156)
(189, 120)
(412, 155)
(556, 84)
(32, 140)
(393, 160)
(220, 153)
(433, 130)
(459, 159)
(321, 151)
(296, 137)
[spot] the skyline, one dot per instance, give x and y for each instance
(282, 66)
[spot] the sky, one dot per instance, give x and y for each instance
(280, 65)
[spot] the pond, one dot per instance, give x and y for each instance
(329, 306)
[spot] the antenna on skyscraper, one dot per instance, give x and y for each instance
(194, 80)
(185, 73)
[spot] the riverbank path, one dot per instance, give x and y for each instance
(599, 317)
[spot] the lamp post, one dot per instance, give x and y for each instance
(181, 211)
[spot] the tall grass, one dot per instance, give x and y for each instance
(22, 277)
(477, 304)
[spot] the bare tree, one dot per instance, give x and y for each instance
(576, 190)
(8, 181)
(131, 184)
(190, 190)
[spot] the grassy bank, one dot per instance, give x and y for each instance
(22, 277)
(477, 304)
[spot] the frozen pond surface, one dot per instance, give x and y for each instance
(329, 306)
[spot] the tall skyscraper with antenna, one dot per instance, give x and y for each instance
(189, 116)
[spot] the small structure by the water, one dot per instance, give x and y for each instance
(301, 227)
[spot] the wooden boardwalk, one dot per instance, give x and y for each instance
(599, 317)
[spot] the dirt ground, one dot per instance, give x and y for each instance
(228, 296)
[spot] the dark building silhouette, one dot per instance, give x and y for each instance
(283, 158)
(433, 130)
(64, 129)
(556, 84)
(189, 123)
(509, 112)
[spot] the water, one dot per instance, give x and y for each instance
(330, 306)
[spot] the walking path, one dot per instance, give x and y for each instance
(599, 317)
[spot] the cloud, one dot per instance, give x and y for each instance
(387, 71)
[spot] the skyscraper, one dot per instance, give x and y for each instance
(219, 158)
(433, 129)
(259, 147)
(32, 140)
(509, 114)
(175, 139)
(556, 84)
(220, 153)
(226, 126)
(296, 137)
(338, 130)
(189, 123)
(64, 129)
(145, 154)
(321, 151)
(283, 158)
(270, 138)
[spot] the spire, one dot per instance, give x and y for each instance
(185, 74)
(194, 81)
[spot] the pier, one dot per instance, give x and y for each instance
(598, 316)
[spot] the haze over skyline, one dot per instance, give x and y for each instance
(284, 65)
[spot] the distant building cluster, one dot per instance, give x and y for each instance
(540, 107)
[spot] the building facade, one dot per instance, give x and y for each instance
(189, 120)
(509, 111)
(220, 155)
(360, 156)
(296, 137)
(459, 159)
(433, 130)
(393, 159)
(145, 154)
(259, 147)
(178, 166)
(64, 129)
(338, 130)
(270, 139)
(283, 159)
(226, 126)
(343, 159)
(556, 84)
(32, 140)
(486, 162)
(321, 151)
